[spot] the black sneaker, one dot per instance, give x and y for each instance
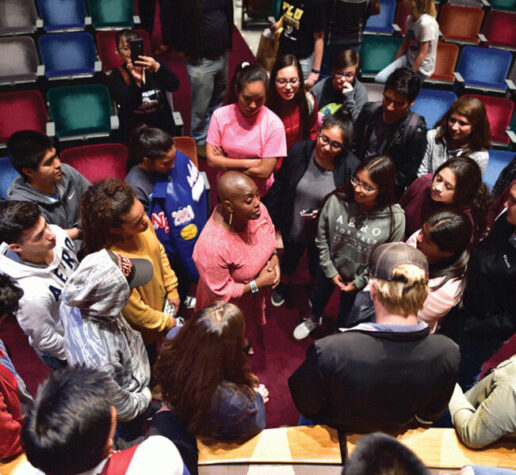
(279, 294)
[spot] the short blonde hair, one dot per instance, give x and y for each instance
(404, 296)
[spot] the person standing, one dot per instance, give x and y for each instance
(303, 35)
(201, 30)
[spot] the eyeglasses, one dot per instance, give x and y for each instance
(365, 188)
(335, 146)
(343, 75)
(283, 82)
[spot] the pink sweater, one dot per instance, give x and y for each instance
(227, 261)
(439, 302)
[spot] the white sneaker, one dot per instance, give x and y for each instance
(305, 328)
(190, 302)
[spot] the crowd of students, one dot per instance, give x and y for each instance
(96, 273)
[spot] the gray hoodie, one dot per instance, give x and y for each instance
(63, 211)
(98, 336)
(343, 247)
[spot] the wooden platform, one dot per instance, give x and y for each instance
(437, 448)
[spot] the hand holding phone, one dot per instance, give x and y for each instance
(136, 49)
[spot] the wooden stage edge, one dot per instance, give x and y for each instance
(437, 448)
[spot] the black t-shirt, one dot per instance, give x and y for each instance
(214, 27)
(301, 18)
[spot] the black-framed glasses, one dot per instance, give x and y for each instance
(365, 188)
(343, 75)
(283, 82)
(335, 146)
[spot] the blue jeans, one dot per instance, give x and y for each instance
(321, 295)
(208, 80)
(402, 62)
(306, 65)
(51, 361)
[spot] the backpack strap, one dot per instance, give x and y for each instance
(119, 462)
(125, 75)
(411, 126)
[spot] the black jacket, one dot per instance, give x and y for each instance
(490, 295)
(183, 32)
(280, 199)
(129, 97)
(367, 381)
(406, 146)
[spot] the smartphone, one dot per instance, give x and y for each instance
(307, 213)
(136, 49)
(169, 309)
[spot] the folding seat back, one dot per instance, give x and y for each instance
(498, 160)
(18, 60)
(67, 54)
(99, 161)
(17, 17)
(21, 110)
(447, 54)
(188, 146)
(7, 175)
(62, 15)
(107, 14)
(484, 68)
(106, 46)
(499, 112)
(383, 22)
(80, 111)
(507, 5)
(460, 24)
(432, 104)
(500, 29)
(377, 52)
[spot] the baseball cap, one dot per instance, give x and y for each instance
(137, 271)
(386, 257)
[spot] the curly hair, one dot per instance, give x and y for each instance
(275, 102)
(213, 342)
(10, 295)
(474, 110)
(103, 206)
(470, 192)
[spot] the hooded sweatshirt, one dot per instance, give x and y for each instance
(38, 315)
(346, 237)
(63, 211)
(98, 336)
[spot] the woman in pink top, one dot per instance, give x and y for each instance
(445, 241)
(245, 135)
(235, 253)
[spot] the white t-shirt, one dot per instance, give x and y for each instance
(156, 455)
(424, 29)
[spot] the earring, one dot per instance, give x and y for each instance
(230, 218)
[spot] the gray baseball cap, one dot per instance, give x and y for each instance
(386, 257)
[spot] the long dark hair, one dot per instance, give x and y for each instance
(470, 192)
(275, 102)
(206, 352)
(382, 171)
(245, 74)
(474, 110)
(450, 231)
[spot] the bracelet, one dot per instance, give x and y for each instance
(316, 71)
(274, 253)
(254, 287)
